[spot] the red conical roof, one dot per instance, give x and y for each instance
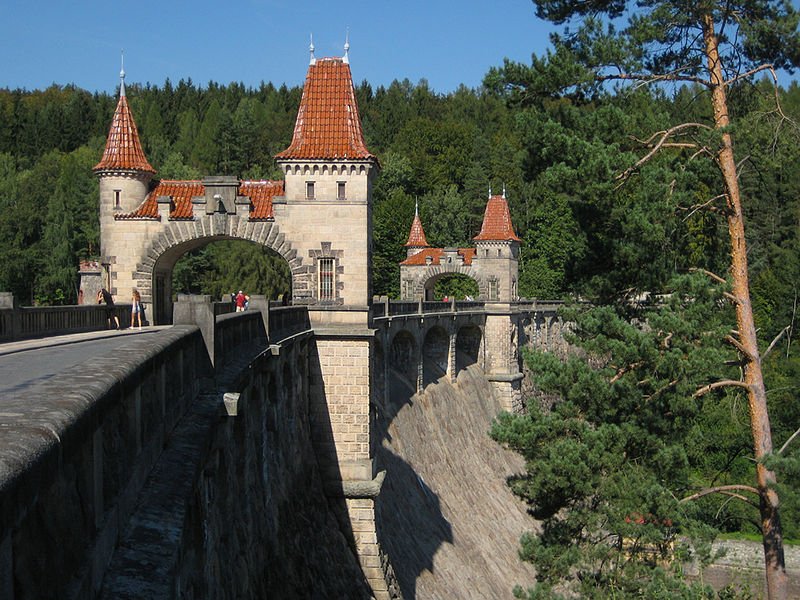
(417, 235)
(328, 125)
(497, 224)
(123, 149)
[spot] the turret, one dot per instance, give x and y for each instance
(124, 171)
(329, 174)
(497, 250)
(416, 238)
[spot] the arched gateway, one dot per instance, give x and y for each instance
(318, 218)
(493, 263)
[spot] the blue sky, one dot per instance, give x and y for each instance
(447, 42)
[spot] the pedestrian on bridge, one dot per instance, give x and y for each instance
(241, 301)
(136, 308)
(105, 296)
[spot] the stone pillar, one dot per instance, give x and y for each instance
(452, 371)
(501, 356)
(341, 405)
(361, 512)
(197, 310)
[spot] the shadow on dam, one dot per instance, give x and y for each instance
(446, 518)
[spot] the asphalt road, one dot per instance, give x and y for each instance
(24, 365)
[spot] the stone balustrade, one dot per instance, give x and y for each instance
(25, 322)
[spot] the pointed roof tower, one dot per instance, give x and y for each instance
(497, 224)
(416, 238)
(123, 150)
(328, 124)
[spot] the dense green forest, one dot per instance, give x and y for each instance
(558, 155)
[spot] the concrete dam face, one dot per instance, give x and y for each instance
(447, 521)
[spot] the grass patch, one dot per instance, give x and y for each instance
(754, 537)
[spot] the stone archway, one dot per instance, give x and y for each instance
(435, 354)
(426, 280)
(152, 276)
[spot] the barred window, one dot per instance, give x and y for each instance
(326, 279)
(493, 289)
(408, 289)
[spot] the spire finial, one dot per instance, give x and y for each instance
(490, 190)
(346, 57)
(416, 207)
(313, 60)
(122, 73)
(504, 191)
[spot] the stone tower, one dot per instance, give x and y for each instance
(497, 251)
(124, 177)
(329, 173)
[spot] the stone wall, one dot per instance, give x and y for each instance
(236, 507)
(74, 454)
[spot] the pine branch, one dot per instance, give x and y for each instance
(789, 441)
(775, 341)
(728, 490)
(664, 136)
(719, 384)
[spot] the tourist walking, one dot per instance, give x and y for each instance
(136, 308)
(241, 301)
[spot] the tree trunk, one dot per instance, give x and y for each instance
(756, 395)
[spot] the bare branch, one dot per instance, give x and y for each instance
(746, 74)
(720, 489)
(664, 136)
(648, 78)
(739, 346)
(713, 276)
(789, 441)
(775, 341)
(697, 207)
(718, 384)
(623, 370)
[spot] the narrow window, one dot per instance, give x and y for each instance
(340, 190)
(326, 279)
(493, 289)
(310, 190)
(117, 196)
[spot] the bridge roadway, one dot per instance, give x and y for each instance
(28, 363)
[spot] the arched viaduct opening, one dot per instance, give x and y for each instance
(435, 354)
(468, 345)
(460, 286)
(405, 359)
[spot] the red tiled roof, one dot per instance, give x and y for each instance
(417, 235)
(261, 194)
(182, 192)
(420, 258)
(497, 221)
(328, 125)
(123, 149)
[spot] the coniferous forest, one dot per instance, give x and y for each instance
(597, 224)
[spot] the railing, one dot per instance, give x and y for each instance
(383, 307)
(20, 323)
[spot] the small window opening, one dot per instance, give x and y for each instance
(310, 190)
(326, 276)
(117, 198)
(340, 190)
(493, 289)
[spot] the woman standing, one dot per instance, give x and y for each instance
(136, 309)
